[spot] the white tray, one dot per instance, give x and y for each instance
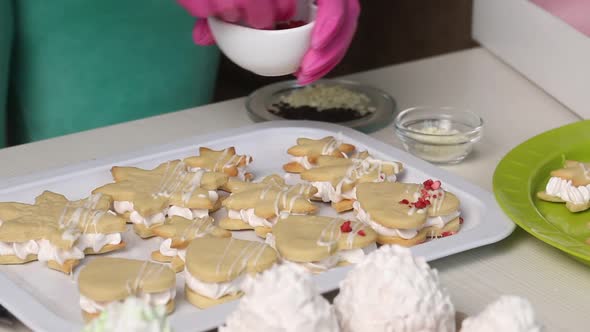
(47, 300)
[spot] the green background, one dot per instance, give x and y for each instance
(82, 64)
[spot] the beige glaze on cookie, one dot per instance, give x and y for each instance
(336, 178)
(216, 260)
(577, 172)
(225, 161)
(314, 238)
(382, 202)
(270, 198)
(325, 146)
(107, 279)
(152, 191)
(58, 220)
(182, 230)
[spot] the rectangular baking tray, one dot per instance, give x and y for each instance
(46, 300)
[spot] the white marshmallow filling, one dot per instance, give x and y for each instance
(249, 217)
(438, 222)
(566, 191)
(168, 251)
(158, 299)
(352, 256)
(135, 217)
(214, 290)
(303, 161)
(46, 251)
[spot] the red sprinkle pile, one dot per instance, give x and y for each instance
(361, 233)
(345, 227)
(424, 200)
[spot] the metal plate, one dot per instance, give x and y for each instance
(261, 100)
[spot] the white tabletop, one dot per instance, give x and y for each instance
(513, 109)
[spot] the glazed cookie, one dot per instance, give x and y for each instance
(320, 243)
(106, 280)
(569, 185)
(57, 231)
(216, 267)
(178, 232)
(258, 205)
(148, 196)
(224, 161)
(406, 213)
(307, 150)
(336, 178)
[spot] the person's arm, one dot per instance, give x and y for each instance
(6, 30)
(336, 24)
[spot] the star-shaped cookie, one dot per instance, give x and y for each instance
(307, 150)
(149, 195)
(58, 231)
(178, 232)
(336, 178)
(223, 161)
(258, 205)
(569, 185)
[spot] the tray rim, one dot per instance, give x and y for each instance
(498, 226)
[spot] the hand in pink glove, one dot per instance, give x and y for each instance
(335, 25)
(259, 14)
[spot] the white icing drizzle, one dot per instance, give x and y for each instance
(359, 168)
(331, 146)
(253, 248)
(146, 270)
(438, 201)
(194, 229)
(81, 215)
(193, 185)
(415, 196)
(220, 159)
(225, 251)
(357, 226)
(332, 229)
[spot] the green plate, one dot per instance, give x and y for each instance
(525, 170)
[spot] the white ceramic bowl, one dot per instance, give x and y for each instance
(264, 52)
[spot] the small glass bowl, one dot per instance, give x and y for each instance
(441, 135)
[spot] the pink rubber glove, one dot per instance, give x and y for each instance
(335, 26)
(259, 14)
(336, 22)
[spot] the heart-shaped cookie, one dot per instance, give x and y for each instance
(407, 213)
(106, 279)
(320, 243)
(215, 268)
(178, 232)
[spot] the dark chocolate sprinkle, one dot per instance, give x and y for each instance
(311, 113)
